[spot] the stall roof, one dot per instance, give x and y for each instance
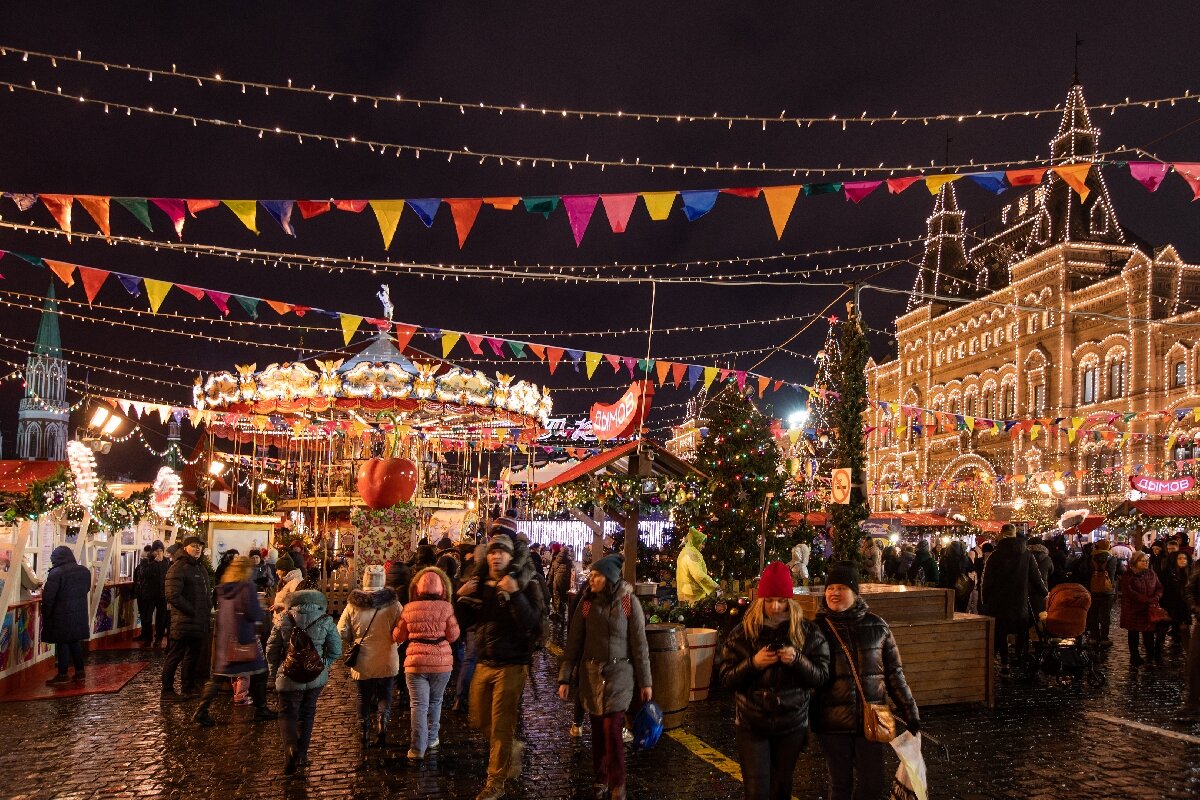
(1160, 508)
(16, 476)
(617, 460)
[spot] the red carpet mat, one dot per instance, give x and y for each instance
(101, 679)
(120, 643)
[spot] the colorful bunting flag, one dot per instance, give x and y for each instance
(579, 212)
(425, 208)
(993, 182)
(139, 208)
(780, 200)
(553, 355)
(857, 190)
(502, 203)
(64, 271)
(280, 211)
(221, 301)
(248, 304)
(474, 343)
(97, 209)
(387, 214)
(1075, 176)
(132, 283)
(694, 373)
(934, 183)
(353, 206)
(662, 368)
(194, 207)
(697, 203)
(404, 334)
(244, 210)
(350, 323)
(517, 348)
(540, 205)
(174, 209)
(59, 206)
(278, 307)
(1149, 174)
(898, 185)
(538, 350)
(618, 207)
(677, 373)
(497, 346)
(1191, 174)
(156, 292)
(593, 361)
(310, 208)
(464, 211)
(449, 339)
(1025, 177)
(658, 204)
(92, 280)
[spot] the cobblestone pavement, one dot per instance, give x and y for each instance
(1039, 742)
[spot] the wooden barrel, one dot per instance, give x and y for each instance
(702, 651)
(670, 669)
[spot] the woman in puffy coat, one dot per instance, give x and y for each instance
(65, 612)
(429, 627)
(1140, 588)
(1174, 578)
(952, 565)
(370, 614)
(306, 609)
(607, 658)
(854, 763)
(773, 661)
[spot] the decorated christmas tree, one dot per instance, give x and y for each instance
(742, 460)
(822, 403)
(850, 451)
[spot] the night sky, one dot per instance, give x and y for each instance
(757, 58)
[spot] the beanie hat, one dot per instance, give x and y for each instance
(429, 582)
(397, 573)
(1102, 544)
(158, 545)
(776, 582)
(285, 564)
(504, 525)
(554, 548)
(373, 577)
(844, 573)
(500, 541)
(610, 568)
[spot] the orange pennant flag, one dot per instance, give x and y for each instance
(1075, 176)
(278, 307)
(194, 207)
(553, 354)
(502, 203)
(762, 385)
(780, 200)
(64, 271)
(156, 292)
(677, 373)
(60, 209)
(464, 210)
(387, 214)
(662, 367)
(538, 350)
(97, 208)
(92, 280)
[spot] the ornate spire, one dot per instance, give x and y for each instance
(944, 266)
(48, 341)
(1076, 139)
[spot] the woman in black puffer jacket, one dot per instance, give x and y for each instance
(837, 716)
(773, 661)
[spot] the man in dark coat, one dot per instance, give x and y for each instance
(1191, 595)
(150, 585)
(189, 594)
(65, 611)
(1010, 585)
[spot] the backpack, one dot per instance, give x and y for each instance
(302, 663)
(1100, 582)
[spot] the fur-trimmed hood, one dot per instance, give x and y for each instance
(371, 598)
(447, 585)
(308, 597)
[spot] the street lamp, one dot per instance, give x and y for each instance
(798, 419)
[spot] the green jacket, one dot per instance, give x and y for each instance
(307, 608)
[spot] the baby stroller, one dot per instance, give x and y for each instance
(1060, 652)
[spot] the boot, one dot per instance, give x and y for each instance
(365, 739)
(618, 793)
(264, 714)
(381, 723)
(62, 677)
(202, 718)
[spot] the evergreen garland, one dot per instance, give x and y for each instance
(850, 448)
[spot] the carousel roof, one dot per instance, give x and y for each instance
(381, 350)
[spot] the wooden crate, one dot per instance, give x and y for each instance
(895, 603)
(948, 661)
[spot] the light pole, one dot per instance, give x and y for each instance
(762, 536)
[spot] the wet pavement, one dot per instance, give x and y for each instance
(1039, 742)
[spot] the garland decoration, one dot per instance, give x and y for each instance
(623, 495)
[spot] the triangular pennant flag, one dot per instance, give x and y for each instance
(644, 365)
(464, 210)
(821, 188)
(677, 373)
(387, 214)
(194, 207)
(934, 183)
(353, 206)
(1075, 176)
(59, 206)
(697, 203)
(281, 212)
(724, 373)
(97, 209)
(23, 202)
(497, 346)
(780, 200)
(630, 364)
(762, 385)
(502, 203)
(64, 271)
(658, 204)
(449, 339)
(898, 185)
(248, 304)
(425, 208)
(741, 378)
(994, 182)
(246, 211)
(1149, 174)
(1025, 177)
(221, 300)
(473, 342)
(694, 373)
(132, 283)
(614, 361)
(537, 349)
(156, 292)
(312, 208)
(592, 360)
(194, 291)
(750, 192)
(710, 374)
(1191, 174)
(174, 209)
(92, 280)
(517, 348)
(662, 368)
(350, 324)
(579, 213)
(404, 334)
(278, 307)
(139, 208)
(618, 207)
(574, 356)
(553, 354)
(544, 205)
(856, 190)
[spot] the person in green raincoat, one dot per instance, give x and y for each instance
(692, 581)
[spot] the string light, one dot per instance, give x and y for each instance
(361, 99)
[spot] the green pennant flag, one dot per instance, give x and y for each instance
(644, 366)
(139, 208)
(250, 304)
(34, 260)
(540, 205)
(518, 348)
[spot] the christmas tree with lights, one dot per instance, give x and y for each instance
(849, 449)
(742, 460)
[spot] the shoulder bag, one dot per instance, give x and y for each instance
(237, 651)
(879, 724)
(352, 657)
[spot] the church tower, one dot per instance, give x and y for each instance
(944, 267)
(42, 424)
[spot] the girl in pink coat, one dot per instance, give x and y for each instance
(428, 625)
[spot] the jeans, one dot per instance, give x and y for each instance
(258, 690)
(1148, 641)
(375, 697)
(66, 653)
(851, 759)
(608, 749)
(769, 763)
(426, 690)
(153, 615)
(1099, 617)
(183, 655)
(458, 649)
(1019, 629)
(297, 711)
(495, 706)
(466, 671)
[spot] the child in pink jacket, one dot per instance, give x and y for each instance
(428, 625)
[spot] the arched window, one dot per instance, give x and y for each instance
(1089, 381)
(1116, 377)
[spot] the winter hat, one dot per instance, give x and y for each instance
(397, 574)
(776, 582)
(444, 543)
(285, 564)
(1102, 544)
(373, 577)
(610, 568)
(426, 555)
(157, 545)
(191, 540)
(429, 582)
(500, 541)
(554, 548)
(844, 573)
(504, 525)
(147, 549)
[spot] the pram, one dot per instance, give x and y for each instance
(1060, 652)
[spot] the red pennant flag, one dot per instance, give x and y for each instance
(194, 207)
(312, 208)
(538, 350)
(553, 355)
(404, 334)
(1025, 177)
(199, 293)
(618, 207)
(97, 208)
(92, 280)
(1191, 174)
(60, 208)
(777, 386)
(662, 367)
(725, 374)
(64, 271)
(473, 342)
(464, 210)
(354, 206)
(744, 191)
(677, 373)
(898, 185)
(615, 361)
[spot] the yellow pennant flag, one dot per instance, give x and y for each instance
(710, 374)
(156, 292)
(969, 422)
(592, 360)
(195, 416)
(1125, 437)
(780, 200)
(1071, 434)
(246, 211)
(934, 183)
(659, 204)
(1033, 432)
(1075, 176)
(387, 214)
(449, 339)
(1196, 413)
(350, 324)
(1171, 443)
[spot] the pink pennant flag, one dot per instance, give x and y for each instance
(1148, 173)
(898, 185)
(618, 207)
(741, 378)
(579, 212)
(474, 341)
(496, 345)
(615, 361)
(857, 190)
(1191, 174)
(174, 210)
(630, 364)
(220, 300)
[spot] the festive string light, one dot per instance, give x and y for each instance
(82, 464)
(165, 492)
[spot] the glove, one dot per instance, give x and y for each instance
(913, 727)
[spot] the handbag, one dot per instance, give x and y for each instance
(1158, 614)
(352, 656)
(879, 724)
(963, 586)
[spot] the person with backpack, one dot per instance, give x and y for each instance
(300, 651)
(366, 623)
(1011, 584)
(924, 569)
(1098, 572)
(508, 622)
(606, 659)
(428, 626)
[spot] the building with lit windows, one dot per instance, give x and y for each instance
(43, 414)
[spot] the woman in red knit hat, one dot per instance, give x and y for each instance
(773, 661)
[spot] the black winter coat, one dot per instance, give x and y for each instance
(1011, 582)
(150, 580)
(1174, 582)
(506, 630)
(773, 701)
(189, 595)
(1191, 594)
(65, 599)
(837, 707)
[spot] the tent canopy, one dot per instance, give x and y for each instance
(16, 476)
(616, 461)
(1159, 508)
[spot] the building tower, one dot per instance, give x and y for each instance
(42, 419)
(173, 457)
(944, 266)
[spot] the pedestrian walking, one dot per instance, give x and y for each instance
(238, 653)
(562, 581)
(606, 659)
(1174, 580)
(1011, 582)
(862, 653)
(1191, 595)
(189, 596)
(773, 661)
(366, 623)
(305, 612)
(954, 572)
(1041, 554)
(924, 567)
(65, 613)
(429, 627)
(150, 584)
(801, 554)
(290, 579)
(1141, 590)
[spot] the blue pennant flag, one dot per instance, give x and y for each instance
(697, 203)
(994, 182)
(130, 282)
(695, 371)
(426, 208)
(281, 212)
(575, 356)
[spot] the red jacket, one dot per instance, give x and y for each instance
(1138, 593)
(429, 627)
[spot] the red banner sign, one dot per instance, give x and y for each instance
(623, 417)
(1144, 483)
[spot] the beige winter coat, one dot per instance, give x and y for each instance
(378, 656)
